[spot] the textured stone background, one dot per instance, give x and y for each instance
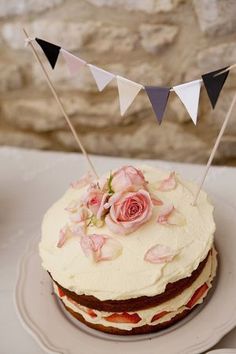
(155, 42)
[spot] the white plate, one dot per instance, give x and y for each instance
(45, 320)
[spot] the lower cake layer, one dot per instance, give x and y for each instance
(135, 330)
(147, 320)
(135, 304)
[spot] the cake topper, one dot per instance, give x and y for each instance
(188, 93)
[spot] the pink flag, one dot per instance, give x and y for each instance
(74, 63)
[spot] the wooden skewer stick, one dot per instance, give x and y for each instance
(60, 105)
(225, 70)
(215, 148)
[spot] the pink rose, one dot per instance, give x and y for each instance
(126, 178)
(94, 200)
(128, 211)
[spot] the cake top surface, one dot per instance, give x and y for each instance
(127, 235)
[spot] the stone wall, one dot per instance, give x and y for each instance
(154, 42)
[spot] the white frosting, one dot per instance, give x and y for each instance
(173, 306)
(129, 275)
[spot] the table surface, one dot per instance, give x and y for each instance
(23, 173)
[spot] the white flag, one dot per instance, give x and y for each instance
(74, 63)
(128, 90)
(101, 76)
(189, 95)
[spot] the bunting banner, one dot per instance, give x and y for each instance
(50, 50)
(74, 63)
(128, 90)
(101, 77)
(158, 97)
(188, 93)
(214, 84)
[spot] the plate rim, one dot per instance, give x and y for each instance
(46, 344)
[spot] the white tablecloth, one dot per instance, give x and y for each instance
(22, 174)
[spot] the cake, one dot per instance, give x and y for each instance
(130, 253)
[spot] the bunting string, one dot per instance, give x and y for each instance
(188, 93)
(227, 69)
(53, 62)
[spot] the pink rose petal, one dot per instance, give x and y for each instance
(113, 199)
(83, 181)
(159, 254)
(110, 250)
(169, 183)
(168, 215)
(81, 215)
(176, 218)
(128, 178)
(156, 201)
(102, 206)
(114, 227)
(100, 247)
(95, 199)
(103, 183)
(75, 230)
(164, 214)
(73, 206)
(91, 245)
(64, 235)
(78, 230)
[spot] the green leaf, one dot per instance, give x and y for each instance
(96, 222)
(110, 190)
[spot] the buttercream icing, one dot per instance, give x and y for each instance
(129, 275)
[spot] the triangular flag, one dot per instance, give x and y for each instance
(128, 90)
(74, 63)
(158, 97)
(101, 76)
(189, 95)
(50, 50)
(214, 84)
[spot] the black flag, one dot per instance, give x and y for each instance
(50, 50)
(158, 97)
(214, 84)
